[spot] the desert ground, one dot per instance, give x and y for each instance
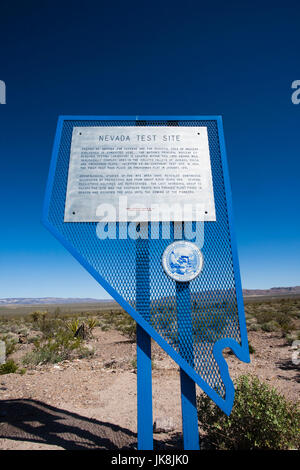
(90, 402)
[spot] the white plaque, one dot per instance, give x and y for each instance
(137, 173)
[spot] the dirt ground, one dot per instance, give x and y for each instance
(91, 403)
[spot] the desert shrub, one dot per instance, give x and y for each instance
(285, 312)
(117, 319)
(92, 323)
(164, 320)
(50, 327)
(128, 329)
(133, 363)
(73, 326)
(291, 337)
(270, 326)
(83, 351)
(209, 326)
(254, 327)
(266, 316)
(37, 316)
(33, 339)
(261, 418)
(57, 312)
(252, 324)
(55, 349)
(10, 344)
(284, 322)
(43, 322)
(125, 325)
(9, 367)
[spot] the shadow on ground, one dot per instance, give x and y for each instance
(287, 364)
(38, 422)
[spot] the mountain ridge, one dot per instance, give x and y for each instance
(68, 300)
(47, 300)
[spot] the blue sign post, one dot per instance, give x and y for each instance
(176, 274)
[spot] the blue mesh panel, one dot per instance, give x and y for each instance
(213, 301)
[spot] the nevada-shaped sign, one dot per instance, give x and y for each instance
(144, 204)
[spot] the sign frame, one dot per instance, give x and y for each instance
(241, 351)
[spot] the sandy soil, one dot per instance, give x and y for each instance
(91, 403)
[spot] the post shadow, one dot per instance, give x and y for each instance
(28, 420)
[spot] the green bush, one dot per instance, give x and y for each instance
(38, 316)
(55, 349)
(125, 325)
(9, 367)
(50, 326)
(10, 344)
(254, 327)
(128, 330)
(73, 326)
(291, 337)
(92, 322)
(133, 363)
(270, 326)
(261, 418)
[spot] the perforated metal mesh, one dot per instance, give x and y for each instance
(210, 311)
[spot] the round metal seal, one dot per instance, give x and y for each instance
(182, 261)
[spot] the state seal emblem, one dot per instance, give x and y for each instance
(182, 261)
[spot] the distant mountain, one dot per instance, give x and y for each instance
(48, 300)
(274, 291)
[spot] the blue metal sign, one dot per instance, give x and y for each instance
(183, 289)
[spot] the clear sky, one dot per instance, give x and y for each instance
(237, 59)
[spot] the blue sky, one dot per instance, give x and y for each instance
(237, 59)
